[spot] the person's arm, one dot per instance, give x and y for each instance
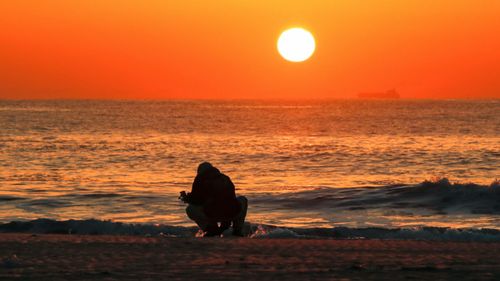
(196, 196)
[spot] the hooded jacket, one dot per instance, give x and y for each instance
(215, 192)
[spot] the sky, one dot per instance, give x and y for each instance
(226, 49)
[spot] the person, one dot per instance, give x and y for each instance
(213, 204)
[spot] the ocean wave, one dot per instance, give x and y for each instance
(438, 196)
(10, 198)
(416, 233)
(93, 227)
(99, 227)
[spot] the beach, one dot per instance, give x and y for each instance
(117, 257)
(337, 190)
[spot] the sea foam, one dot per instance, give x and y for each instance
(98, 227)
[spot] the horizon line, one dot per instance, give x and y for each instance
(245, 99)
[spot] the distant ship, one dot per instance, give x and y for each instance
(389, 94)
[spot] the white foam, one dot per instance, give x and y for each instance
(261, 231)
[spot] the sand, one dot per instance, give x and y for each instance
(80, 257)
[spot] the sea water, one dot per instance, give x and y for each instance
(302, 164)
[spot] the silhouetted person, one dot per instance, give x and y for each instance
(213, 204)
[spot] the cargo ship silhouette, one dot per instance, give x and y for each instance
(389, 94)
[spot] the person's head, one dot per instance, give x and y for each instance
(203, 167)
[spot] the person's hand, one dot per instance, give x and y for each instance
(182, 196)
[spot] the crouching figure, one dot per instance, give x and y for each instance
(213, 204)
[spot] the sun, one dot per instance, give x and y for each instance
(296, 44)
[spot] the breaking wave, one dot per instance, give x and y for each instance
(98, 227)
(439, 196)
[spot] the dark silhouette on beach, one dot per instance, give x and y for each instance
(213, 204)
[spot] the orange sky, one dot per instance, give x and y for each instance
(227, 48)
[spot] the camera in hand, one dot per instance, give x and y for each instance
(182, 195)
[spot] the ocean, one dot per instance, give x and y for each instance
(303, 165)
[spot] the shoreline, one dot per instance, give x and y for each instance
(119, 257)
(108, 227)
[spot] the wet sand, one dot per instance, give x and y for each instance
(80, 257)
